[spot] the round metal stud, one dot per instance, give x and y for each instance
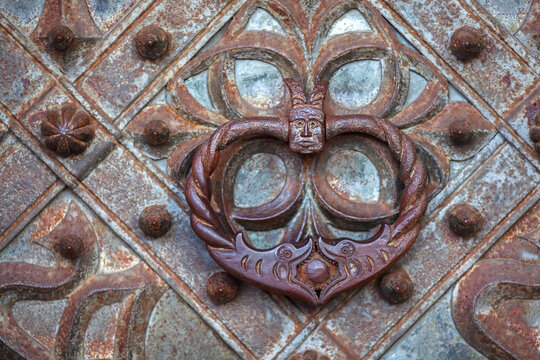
(155, 221)
(60, 37)
(396, 286)
(152, 42)
(156, 132)
(466, 43)
(71, 247)
(68, 132)
(461, 132)
(222, 288)
(317, 271)
(465, 220)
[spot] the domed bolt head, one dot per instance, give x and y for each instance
(535, 131)
(71, 247)
(317, 271)
(67, 132)
(465, 220)
(156, 132)
(151, 42)
(60, 37)
(466, 43)
(396, 286)
(309, 355)
(155, 221)
(222, 288)
(461, 132)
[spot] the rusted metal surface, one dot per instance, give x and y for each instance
(309, 355)
(156, 132)
(493, 304)
(465, 220)
(155, 220)
(67, 132)
(331, 265)
(222, 287)
(396, 286)
(60, 37)
(535, 128)
(79, 279)
(466, 43)
(152, 42)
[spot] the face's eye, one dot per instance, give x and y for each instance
(299, 124)
(313, 124)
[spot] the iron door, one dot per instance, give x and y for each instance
(368, 170)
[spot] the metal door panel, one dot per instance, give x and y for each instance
(110, 291)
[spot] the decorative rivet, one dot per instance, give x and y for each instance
(222, 288)
(466, 43)
(71, 246)
(309, 355)
(155, 221)
(68, 132)
(60, 37)
(151, 42)
(396, 286)
(461, 132)
(535, 131)
(317, 271)
(156, 132)
(465, 220)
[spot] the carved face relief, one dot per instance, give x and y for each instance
(306, 130)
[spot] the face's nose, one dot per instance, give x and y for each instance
(306, 132)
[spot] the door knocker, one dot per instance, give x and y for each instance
(315, 269)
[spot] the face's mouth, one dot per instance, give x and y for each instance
(306, 142)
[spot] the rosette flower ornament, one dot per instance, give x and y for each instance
(68, 132)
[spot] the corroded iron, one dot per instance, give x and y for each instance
(489, 304)
(222, 288)
(152, 42)
(396, 286)
(466, 43)
(465, 220)
(71, 247)
(535, 130)
(461, 132)
(276, 269)
(155, 220)
(156, 132)
(307, 129)
(59, 300)
(60, 37)
(79, 283)
(68, 132)
(309, 355)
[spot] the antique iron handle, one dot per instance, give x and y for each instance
(317, 269)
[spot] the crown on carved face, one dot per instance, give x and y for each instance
(298, 97)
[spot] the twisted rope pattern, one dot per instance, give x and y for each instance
(412, 171)
(204, 220)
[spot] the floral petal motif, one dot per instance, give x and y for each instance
(347, 184)
(372, 52)
(233, 56)
(69, 132)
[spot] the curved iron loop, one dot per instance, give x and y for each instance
(318, 269)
